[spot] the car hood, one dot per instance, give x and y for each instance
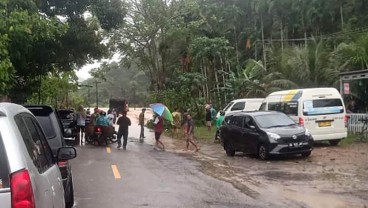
(286, 130)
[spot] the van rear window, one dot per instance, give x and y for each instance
(322, 106)
(4, 166)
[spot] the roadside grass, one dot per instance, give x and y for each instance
(351, 139)
(201, 134)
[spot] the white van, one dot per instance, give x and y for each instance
(248, 104)
(320, 110)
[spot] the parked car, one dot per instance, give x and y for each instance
(69, 123)
(29, 175)
(264, 134)
(239, 105)
(51, 125)
(321, 110)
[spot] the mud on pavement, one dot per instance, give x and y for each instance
(330, 177)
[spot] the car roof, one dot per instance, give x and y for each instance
(248, 99)
(313, 90)
(11, 109)
(256, 113)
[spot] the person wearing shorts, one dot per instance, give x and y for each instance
(190, 133)
(81, 123)
(159, 128)
(208, 118)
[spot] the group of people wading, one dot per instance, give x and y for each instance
(101, 118)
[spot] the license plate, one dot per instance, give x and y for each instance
(296, 144)
(324, 123)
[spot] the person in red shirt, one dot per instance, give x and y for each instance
(159, 128)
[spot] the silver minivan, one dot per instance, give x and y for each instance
(29, 175)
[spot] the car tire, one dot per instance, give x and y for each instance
(334, 142)
(262, 152)
(70, 201)
(230, 151)
(306, 154)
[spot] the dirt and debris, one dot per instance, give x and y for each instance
(331, 177)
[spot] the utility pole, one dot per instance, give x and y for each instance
(96, 82)
(88, 88)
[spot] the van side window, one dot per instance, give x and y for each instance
(4, 167)
(33, 142)
(322, 106)
(289, 108)
(238, 106)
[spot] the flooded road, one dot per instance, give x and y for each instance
(144, 177)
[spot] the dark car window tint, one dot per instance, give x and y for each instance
(227, 119)
(273, 120)
(4, 166)
(289, 108)
(33, 141)
(237, 121)
(322, 106)
(47, 126)
(238, 106)
(45, 145)
(247, 122)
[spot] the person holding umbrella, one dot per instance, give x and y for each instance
(161, 113)
(159, 128)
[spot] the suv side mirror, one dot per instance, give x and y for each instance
(66, 153)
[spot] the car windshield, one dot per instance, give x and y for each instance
(4, 166)
(65, 114)
(274, 120)
(47, 126)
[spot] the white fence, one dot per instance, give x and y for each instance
(355, 123)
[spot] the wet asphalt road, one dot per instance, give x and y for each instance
(144, 177)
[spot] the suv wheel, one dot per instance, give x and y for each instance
(262, 152)
(70, 201)
(306, 154)
(334, 142)
(229, 150)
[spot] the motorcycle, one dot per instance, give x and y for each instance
(100, 135)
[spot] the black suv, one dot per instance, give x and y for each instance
(52, 127)
(69, 123)
(264, 134)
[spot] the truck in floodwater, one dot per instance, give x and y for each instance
(119, 105)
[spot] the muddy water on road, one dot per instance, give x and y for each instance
(313, 182)
(332, 177)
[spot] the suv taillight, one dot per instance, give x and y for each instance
(62, 164)
(346, 119)
(301, 121)
(21, 190)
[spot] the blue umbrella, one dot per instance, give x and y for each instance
(162, 110)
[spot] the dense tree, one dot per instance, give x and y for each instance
(39, 37)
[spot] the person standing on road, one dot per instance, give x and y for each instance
(124, 123)
(190, 133)
(141, 123)
(219, 121)
(208, 117)
(81, 123)
(159, 128)
(110, 117)
(177, 117)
